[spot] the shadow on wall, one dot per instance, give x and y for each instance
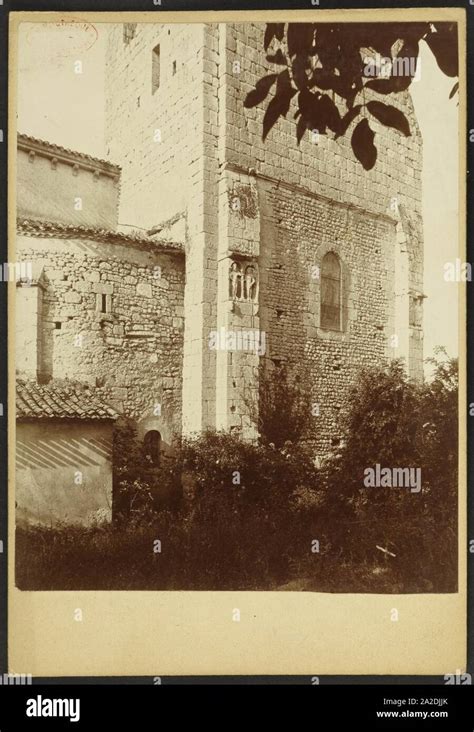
(63, 479)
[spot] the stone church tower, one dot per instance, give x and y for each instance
(297, 244)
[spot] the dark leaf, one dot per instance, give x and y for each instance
(319, 111)
(404, 65)
(341, 85)
(323, 78)
(363, 144)
(301, 128)
(390, 86)
(278, 58)
(386, 35)
(260, 92)
(454, 90)
(328, 37)
(444, 45)
(340, 50)
(273, 30)
(382, 86)
(390, 116)
(348, 118)
(410, 50)
(330, 113)
(299, 67)
(310, 107)
(280, 103)
(299, 38)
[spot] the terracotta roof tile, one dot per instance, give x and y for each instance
(52, 400)
(54, 230)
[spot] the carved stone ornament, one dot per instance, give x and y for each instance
(243, 281)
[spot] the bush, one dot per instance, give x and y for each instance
(396, 423)
(283, 412)
(245, 509)
(138, 485)
(235, 515)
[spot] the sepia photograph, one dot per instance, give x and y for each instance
(238, 310)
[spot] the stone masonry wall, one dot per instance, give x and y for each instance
(311, 199)
(326, 361)
(168, 169)
(299, 202)
(134, 350)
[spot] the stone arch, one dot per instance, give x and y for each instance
(347, 310)
(156, 424)
(152, 446)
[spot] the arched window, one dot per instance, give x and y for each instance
(152, 446)
(331, 292)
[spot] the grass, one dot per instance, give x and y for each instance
(123, 558)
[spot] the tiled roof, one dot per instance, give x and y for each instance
(29, 142)
(59, 402)
(54, 230)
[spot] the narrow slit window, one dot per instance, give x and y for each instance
(155, 69)
(103, 304)
(331, 292)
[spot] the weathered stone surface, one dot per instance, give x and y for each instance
(144, 289)
(73, 297)
(192, 154)
(90, 345)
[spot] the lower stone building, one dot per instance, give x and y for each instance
(63, 455)
(99, 316)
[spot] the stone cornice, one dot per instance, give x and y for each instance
(33, 145)
(252, 173)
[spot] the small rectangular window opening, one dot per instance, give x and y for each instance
(155, 69)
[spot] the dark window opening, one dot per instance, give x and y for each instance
(152, 446)
(155, 69)
(174, 68)
(331, 292)
(57, 325)
(416, 311)
(103, 304)
(129, 30)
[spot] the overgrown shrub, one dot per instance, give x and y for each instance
(244, 510)
(138, 485)
(231, 514)
(395, 423)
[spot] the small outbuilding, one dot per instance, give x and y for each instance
(64, 439)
